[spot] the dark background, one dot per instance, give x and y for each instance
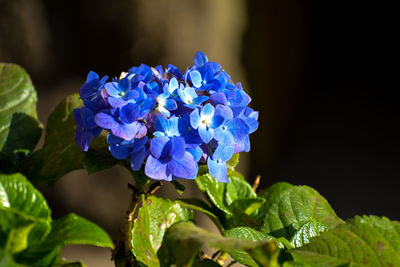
(323, 74)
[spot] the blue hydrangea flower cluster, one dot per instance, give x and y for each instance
(168, 121)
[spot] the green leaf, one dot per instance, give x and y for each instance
(68, 230)
(7, 261)
(222, 195)
(215, 191)
(59, 154)
(308, 230)
(183, 241)
(245, 233)
(19, 127)
(18, 238)
(248, 205)
(154, 218)
(362, 241)
(199, 205)
(265, 255)
(293, 207)
(238, 189)
(75, 230)
(20, 203)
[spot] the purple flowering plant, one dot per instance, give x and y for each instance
(167, 121)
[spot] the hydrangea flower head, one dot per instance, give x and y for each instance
(168, 123)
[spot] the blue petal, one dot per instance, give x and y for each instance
(92, 76)
(206, 133)
(183, 97)
(137, 159)
(207, 112)
(207, 72)
(124, 84)
(195, 77)
(174, 71)
(218, 170)
(224, 111)
(78, 117)
(173, 85)
(215, 66)
(129, 113)
(173, 126)
(105, 121)
(223, 153)
(213, 85)
(200, 99)
(139, 144)
(190, 93)
(116, 102)
(178, 148)
(238, 128)
(125, 131)
(112, 139)
(157, 170)
(120, 151)
(161, 123)
(219, 98)
(142, 131)
(184, 167)
(195, 118)
(170, 104)
(159, 147)
(200, 59)
(197, 153)
(112, 89)
(223, 136)
(216, 121)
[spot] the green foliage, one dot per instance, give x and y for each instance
(293, 207)
(55, 158)
(154, 218)
(362, 241)
(20, 129)
(28, 236)
(245, 233)
(184, 240)
(223, 195)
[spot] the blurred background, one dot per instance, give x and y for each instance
(323, 74)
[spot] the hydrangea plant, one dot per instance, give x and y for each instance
(171, 122)
(164, 125)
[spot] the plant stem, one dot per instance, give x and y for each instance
(129, 222)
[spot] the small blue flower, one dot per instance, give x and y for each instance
(201, 59)
(174, 71)
(120, 121)
(121, 92)
(166, 127)
(169, 160)
(192, 137)
(205, 121)
(92, 86)
(165, 102)
(134, 149)
(86, 128)
(217, 162)
(203, 78)
(233, 131)
(189, 96)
